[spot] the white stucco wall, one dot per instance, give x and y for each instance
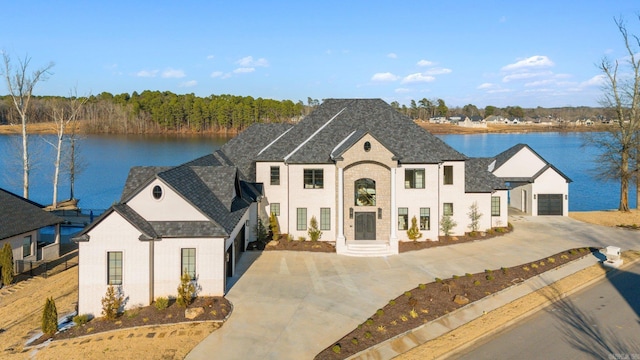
(550, 182)
(16, 245)
(170, 207)
(112, 234)
(455, 194)
(274, 193)
(414, 199)
(523, 164)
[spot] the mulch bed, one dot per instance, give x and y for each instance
(215, 308)
(326, 246)
(430, 301)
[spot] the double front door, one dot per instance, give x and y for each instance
(365, 226)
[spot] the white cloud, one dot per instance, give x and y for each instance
(147, 73)
(424, 63)
(540, 83)
(402, 90)
(249, 62)
(525, 75)
(392, 56)
(384, 77)
(486, 86)
(244, 70)
(173, 73)
(216, 74)
(438, 71)
(210, 57)
(536, 61)
(417, 77)
(190, 83)
(597, 80)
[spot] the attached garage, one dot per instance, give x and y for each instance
(550, 204)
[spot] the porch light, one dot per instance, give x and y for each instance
(246, 223)
(379, 213)
(534, 196)
(566, 196)
(350, 213)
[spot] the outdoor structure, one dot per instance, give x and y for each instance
(357, 166)
(20, 223)
(536, 186)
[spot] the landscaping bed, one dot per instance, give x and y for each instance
(301, 245)
(215, 309)
(427, 302)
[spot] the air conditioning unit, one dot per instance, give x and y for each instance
(613, 257)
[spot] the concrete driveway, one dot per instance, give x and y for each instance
(292, 305)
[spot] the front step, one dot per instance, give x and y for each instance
(368, 248)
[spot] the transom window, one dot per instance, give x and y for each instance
(114, 268)
(275, 175)
(495, 206)
(425, 218)
(365, 192)
(403, 218)
(157, 192)
(188, 262)
(414, 178)
(448, 175)
(313, 178)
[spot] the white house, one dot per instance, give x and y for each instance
(20, 223)
(361, 168)
(536, 186)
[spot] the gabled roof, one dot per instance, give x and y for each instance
(138, 177)
(478, 178)
(506, 155)
(19, 215)
(314, 138)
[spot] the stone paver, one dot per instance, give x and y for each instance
(291, 305)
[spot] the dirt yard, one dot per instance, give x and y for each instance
(608, 218)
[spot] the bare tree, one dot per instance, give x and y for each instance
(621, 93)
(20, 85)
(64, 114)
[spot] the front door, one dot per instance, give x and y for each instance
(365, 226)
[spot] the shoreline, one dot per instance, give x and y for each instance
(436, 129)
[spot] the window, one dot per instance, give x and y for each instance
(26, 246)
(301, 219)
(425, 218)
(157, 192)
(188, 262)
(114, 267)
(275, 175)
(448, 175)
(495, 206)
(313, 179)
(275, 209)
(365, 192)
(414, 178)
(403, 218)
(447, 209)
(325, 219)
(367, 146)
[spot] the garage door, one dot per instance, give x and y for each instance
(549, 204)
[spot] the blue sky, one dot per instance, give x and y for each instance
(501, 53)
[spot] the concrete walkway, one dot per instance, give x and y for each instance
(292, 305)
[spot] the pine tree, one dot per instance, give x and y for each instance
(186, 290)
(314, 232)
(414, 233)
(274, 227)
(50, 317)
(6, 263)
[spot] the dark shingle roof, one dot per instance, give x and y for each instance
(19, 215)
(478, 179)
(187, 229)
(243, 149)
(317, 135)
(139, 176)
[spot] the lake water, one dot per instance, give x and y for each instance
(108, 160)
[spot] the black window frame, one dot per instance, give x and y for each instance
(403, 213)
(189, 265)
(410, 178)
(325, 218)
(27, 243)
(447, 176)
(495, 206)
(115, 267)
(444, 209)
(274, 208)
(313, 179)
(425, 217)
(301, 221)
(274, 174)
(369, 184)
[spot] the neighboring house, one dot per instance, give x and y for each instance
(361, 168)
(20, 223)
(473, 122)
(536, 186)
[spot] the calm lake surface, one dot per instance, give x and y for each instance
(108, 159)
